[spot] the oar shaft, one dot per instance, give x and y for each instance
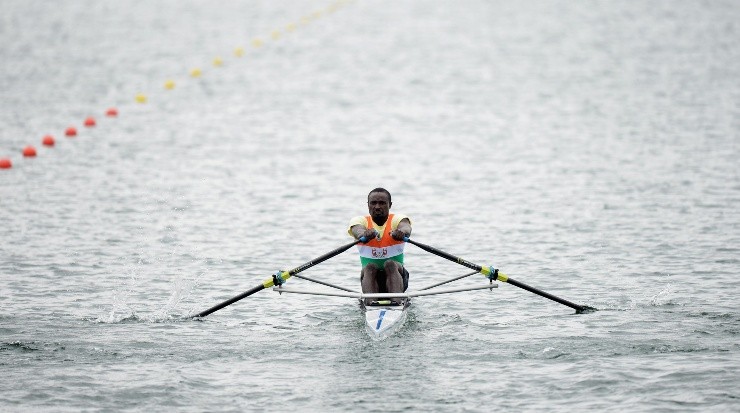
(578, 308)
(284, 275)
(448, 256)
(499, 276)
(231, 301)
(322, 258)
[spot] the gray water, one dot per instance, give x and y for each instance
(585, 148)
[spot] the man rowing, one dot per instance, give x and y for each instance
(382, 255)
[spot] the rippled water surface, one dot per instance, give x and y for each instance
(589, 149)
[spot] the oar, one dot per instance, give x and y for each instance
(494, 274)
(280, 277)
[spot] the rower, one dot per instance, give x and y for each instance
(382, 255)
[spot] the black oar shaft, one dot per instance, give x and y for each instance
(231, 301)
(322, 258)
(448, 256)
(539, 292)
(284, 275)
(501, 277)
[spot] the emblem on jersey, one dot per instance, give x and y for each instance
(380, 252)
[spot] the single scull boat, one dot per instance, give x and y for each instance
(382, 317)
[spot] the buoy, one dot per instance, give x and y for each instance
(239, 52)
(218, 62)
(112, 112)
(169, 84)
(90, 122)
(48, 140)
(195, 72)
(257, 42)
(29, 151)
(291, 27)
(5, 163)
(275, 34)
(71, 131)
(141, 98)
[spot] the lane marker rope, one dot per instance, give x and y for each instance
(141, 98)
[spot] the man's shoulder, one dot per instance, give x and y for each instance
(397, 218)
(358, 220)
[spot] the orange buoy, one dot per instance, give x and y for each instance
(29, 151)
(48, 140)
(90, 122)
(5, 163)
(71, 131)
(112, 112)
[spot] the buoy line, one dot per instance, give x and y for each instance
(29, 151)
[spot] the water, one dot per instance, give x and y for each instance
(589, 150)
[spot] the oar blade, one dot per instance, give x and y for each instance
(586, 310)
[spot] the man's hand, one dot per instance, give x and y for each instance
(403, 230)
(398, 235)
(368, 234)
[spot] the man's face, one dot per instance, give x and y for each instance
(378, 205)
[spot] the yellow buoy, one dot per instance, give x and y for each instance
(141, 98)
(196, 72)
(169, 84)
(218, 62)
(239, 52)
(275, 34)
(257, 42)
(290, 27)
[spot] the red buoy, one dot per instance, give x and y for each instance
(5, 163)
(48, 140)
(112, 112)
(90, 122)
(29, 151)
(71, 131)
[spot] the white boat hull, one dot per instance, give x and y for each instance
(381, 321)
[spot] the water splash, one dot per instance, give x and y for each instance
(663, 297)
(181, 291)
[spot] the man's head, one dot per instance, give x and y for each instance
(379, 205)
